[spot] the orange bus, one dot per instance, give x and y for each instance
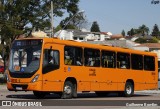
(50, 65)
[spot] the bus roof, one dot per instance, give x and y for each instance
(89, 45)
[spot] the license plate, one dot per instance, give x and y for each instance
(18, 88)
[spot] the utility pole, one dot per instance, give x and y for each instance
(52, 19)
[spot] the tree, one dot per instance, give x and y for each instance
(83, 23)
(153, 40)
(95, 27)
(75, 21)
(57, 28)
(145, 40)
(131, 32)
(21, 16)
(123, 33)
(141, 40)
(155, 31)
(143, 30)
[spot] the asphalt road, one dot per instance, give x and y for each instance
(83, 101)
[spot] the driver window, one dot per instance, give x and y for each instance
(50, 60)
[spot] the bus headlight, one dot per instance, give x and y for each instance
(7, 77)
(35, 78)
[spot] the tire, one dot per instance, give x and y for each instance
(39, 94)
(75, 91)
(129, 89)
(68, 90)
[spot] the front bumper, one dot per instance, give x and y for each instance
(24, 86)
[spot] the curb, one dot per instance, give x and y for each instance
(3, 86)
(149, 91)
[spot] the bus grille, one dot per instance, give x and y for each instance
(24, 86)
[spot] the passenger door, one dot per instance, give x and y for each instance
(51, 69)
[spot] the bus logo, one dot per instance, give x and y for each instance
(6, 103)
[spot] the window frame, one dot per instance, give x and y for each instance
(90, 60)
(76, 59)
(47, 66)
(135, 61)
(103, 52)
(149, 66)
(121, 64)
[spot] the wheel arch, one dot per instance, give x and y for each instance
(131, 81)
(71, 79)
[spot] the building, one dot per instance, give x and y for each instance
(116, 43)
(80, 35)
(117, 37)
(148, 47)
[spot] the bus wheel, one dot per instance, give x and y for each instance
(39, 94)
(67, 90)
(129, 89)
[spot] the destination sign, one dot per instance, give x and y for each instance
(21, 43)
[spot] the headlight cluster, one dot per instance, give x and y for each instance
(7, 78)
(35, 78)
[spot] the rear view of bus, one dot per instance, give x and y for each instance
(24, 64)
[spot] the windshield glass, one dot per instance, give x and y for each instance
(25, 56)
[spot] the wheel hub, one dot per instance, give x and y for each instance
(129, 90)
(67, 89)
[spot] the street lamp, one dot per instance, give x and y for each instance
(51, 18)
(82, 11)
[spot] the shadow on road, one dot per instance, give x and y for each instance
(81, 95)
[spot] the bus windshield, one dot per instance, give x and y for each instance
(25, 56)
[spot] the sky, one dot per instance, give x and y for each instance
(115, 15)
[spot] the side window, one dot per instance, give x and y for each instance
(149, 63)
(137, 61)
(108, 59)
(73, 55)
(50, 60)
(123, 60)
(92, 57)
(54, 57)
